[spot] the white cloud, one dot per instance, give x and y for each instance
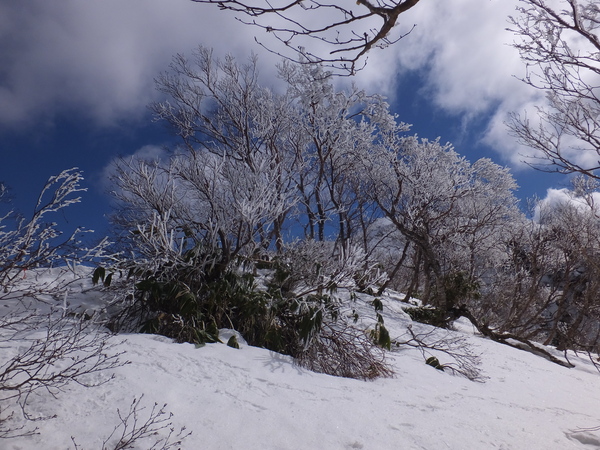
(472, 63)
(105, 181)
(556, 198)
(100, 58)
(497, 135)
(463, 49)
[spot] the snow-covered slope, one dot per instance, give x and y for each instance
(250, 398)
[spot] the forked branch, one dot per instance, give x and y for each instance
(345, 33)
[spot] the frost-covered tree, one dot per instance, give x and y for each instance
(199, 200)
(254, 169)
(451, 211)
(235, 201)
(219, 107)
(340, 126)
(560, 46)
(484, 219)
(561, 267)
(308, 138)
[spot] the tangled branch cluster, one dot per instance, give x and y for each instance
(347, 33)
(60, 350)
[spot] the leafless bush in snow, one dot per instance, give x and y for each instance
(31, 243)
(465, 361)
(344, 351)
(133, 428)
(52, 352)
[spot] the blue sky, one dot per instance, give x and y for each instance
(76, 77)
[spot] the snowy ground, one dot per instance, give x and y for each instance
(255, 399)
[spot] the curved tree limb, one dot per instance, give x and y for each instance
(510, 339)
(347, 34)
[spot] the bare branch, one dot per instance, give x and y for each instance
(57, 351)
(465, 362)
(347, 33)
(561, 51)
(133, 428)
(33, 243)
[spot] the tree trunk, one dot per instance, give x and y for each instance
(395, 271)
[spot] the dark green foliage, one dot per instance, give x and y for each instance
(380, 335)
(100, 275)
(190, 302)
(233, 342)
(377, 304)
(434, 362)
(297, 322)
(459, 288)
(192, 310)
(428, 315)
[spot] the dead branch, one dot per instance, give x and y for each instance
(349, 35)
(344, 351)
(465, 361)
(133, 428)
(58, 351)
(512, 340)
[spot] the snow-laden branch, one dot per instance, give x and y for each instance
(560, 47)
(35, 242)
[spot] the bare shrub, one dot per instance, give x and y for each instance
(27, 244)
(310, 266)
(464, 361)
(133, 429)
(57, 351)
(345, 351)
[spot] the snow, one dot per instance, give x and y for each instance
(251, 398)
